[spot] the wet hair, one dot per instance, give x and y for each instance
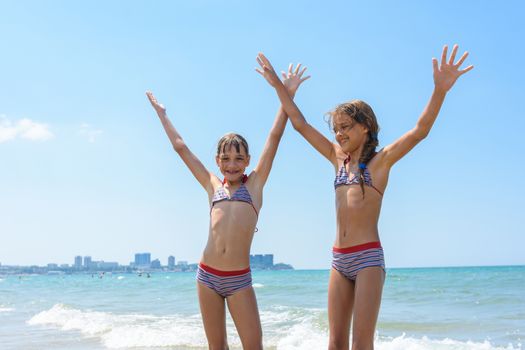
(360, 112)
(232, 139)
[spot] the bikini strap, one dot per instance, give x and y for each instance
(244, 179)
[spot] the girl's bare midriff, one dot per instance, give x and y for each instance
(232, 227)
(357, 217)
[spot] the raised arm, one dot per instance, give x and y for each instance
(292, 80)
(192, 162)
(445, 75)
(312, 135)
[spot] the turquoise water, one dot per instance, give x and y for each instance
(437, 308)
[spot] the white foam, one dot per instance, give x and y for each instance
(121, 331)
(257, 285)
(6, 309)
(120, 277)
(406, 343)
(285, 328)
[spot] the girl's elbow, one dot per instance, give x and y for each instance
(299, 126)
(421, 133)
(179, 146)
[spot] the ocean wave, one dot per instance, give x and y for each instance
(257, 285)
(6, 309)
(407, 343)
(285, 328)
(122, 331)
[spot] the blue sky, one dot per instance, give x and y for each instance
(87, 170)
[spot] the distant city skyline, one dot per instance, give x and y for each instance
(142, 262)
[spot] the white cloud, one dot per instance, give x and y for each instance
(89, 132)
(23, 128)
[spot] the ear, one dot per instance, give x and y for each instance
(217, 160)
(364, 129)
(248, 160)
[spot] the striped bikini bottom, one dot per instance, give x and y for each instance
(224, 283)
(349, 261)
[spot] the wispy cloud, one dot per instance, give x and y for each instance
(24, 129)
(89, 132)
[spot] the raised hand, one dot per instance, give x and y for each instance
(293, 78)
(446, 73)
(267, 70)
(159, 108)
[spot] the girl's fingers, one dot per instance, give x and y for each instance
(297, 69)
(462, 59)
(461, 72)
(302, 72)
(444, 55)
(259, 61)
(290, 67)
(283, 74)
(453, 55)
(259, 71)
(151, 98)
(435, 64)
(264, 59)
(305, 78)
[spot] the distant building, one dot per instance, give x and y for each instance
(87, 262)
(106, 265)
(52, 266)
(155, 264)
(78, 262)
(142, 260)
(171, 262)
(261, 261)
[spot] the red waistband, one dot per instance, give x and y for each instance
(223, 273)
(357, 248)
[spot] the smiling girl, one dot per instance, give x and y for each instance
(224, 270)
(361, 176)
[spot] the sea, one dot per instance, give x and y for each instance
(422, 308)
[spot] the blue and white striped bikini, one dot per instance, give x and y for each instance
(342, 178)
(226, 283)
(350, 260)
(241, 195)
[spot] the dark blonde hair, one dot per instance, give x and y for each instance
(360, 112)
(232, 139)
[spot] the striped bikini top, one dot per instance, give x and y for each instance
(342, 178)
(241, 195)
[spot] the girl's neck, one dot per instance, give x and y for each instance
(234, 183)
(355, 155)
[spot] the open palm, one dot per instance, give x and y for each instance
(446, 73)
(293, 78)
(159, 108)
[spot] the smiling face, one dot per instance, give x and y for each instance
(349, 134)
(354, 125)
(232, 157)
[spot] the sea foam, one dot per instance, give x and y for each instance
(284, 328)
